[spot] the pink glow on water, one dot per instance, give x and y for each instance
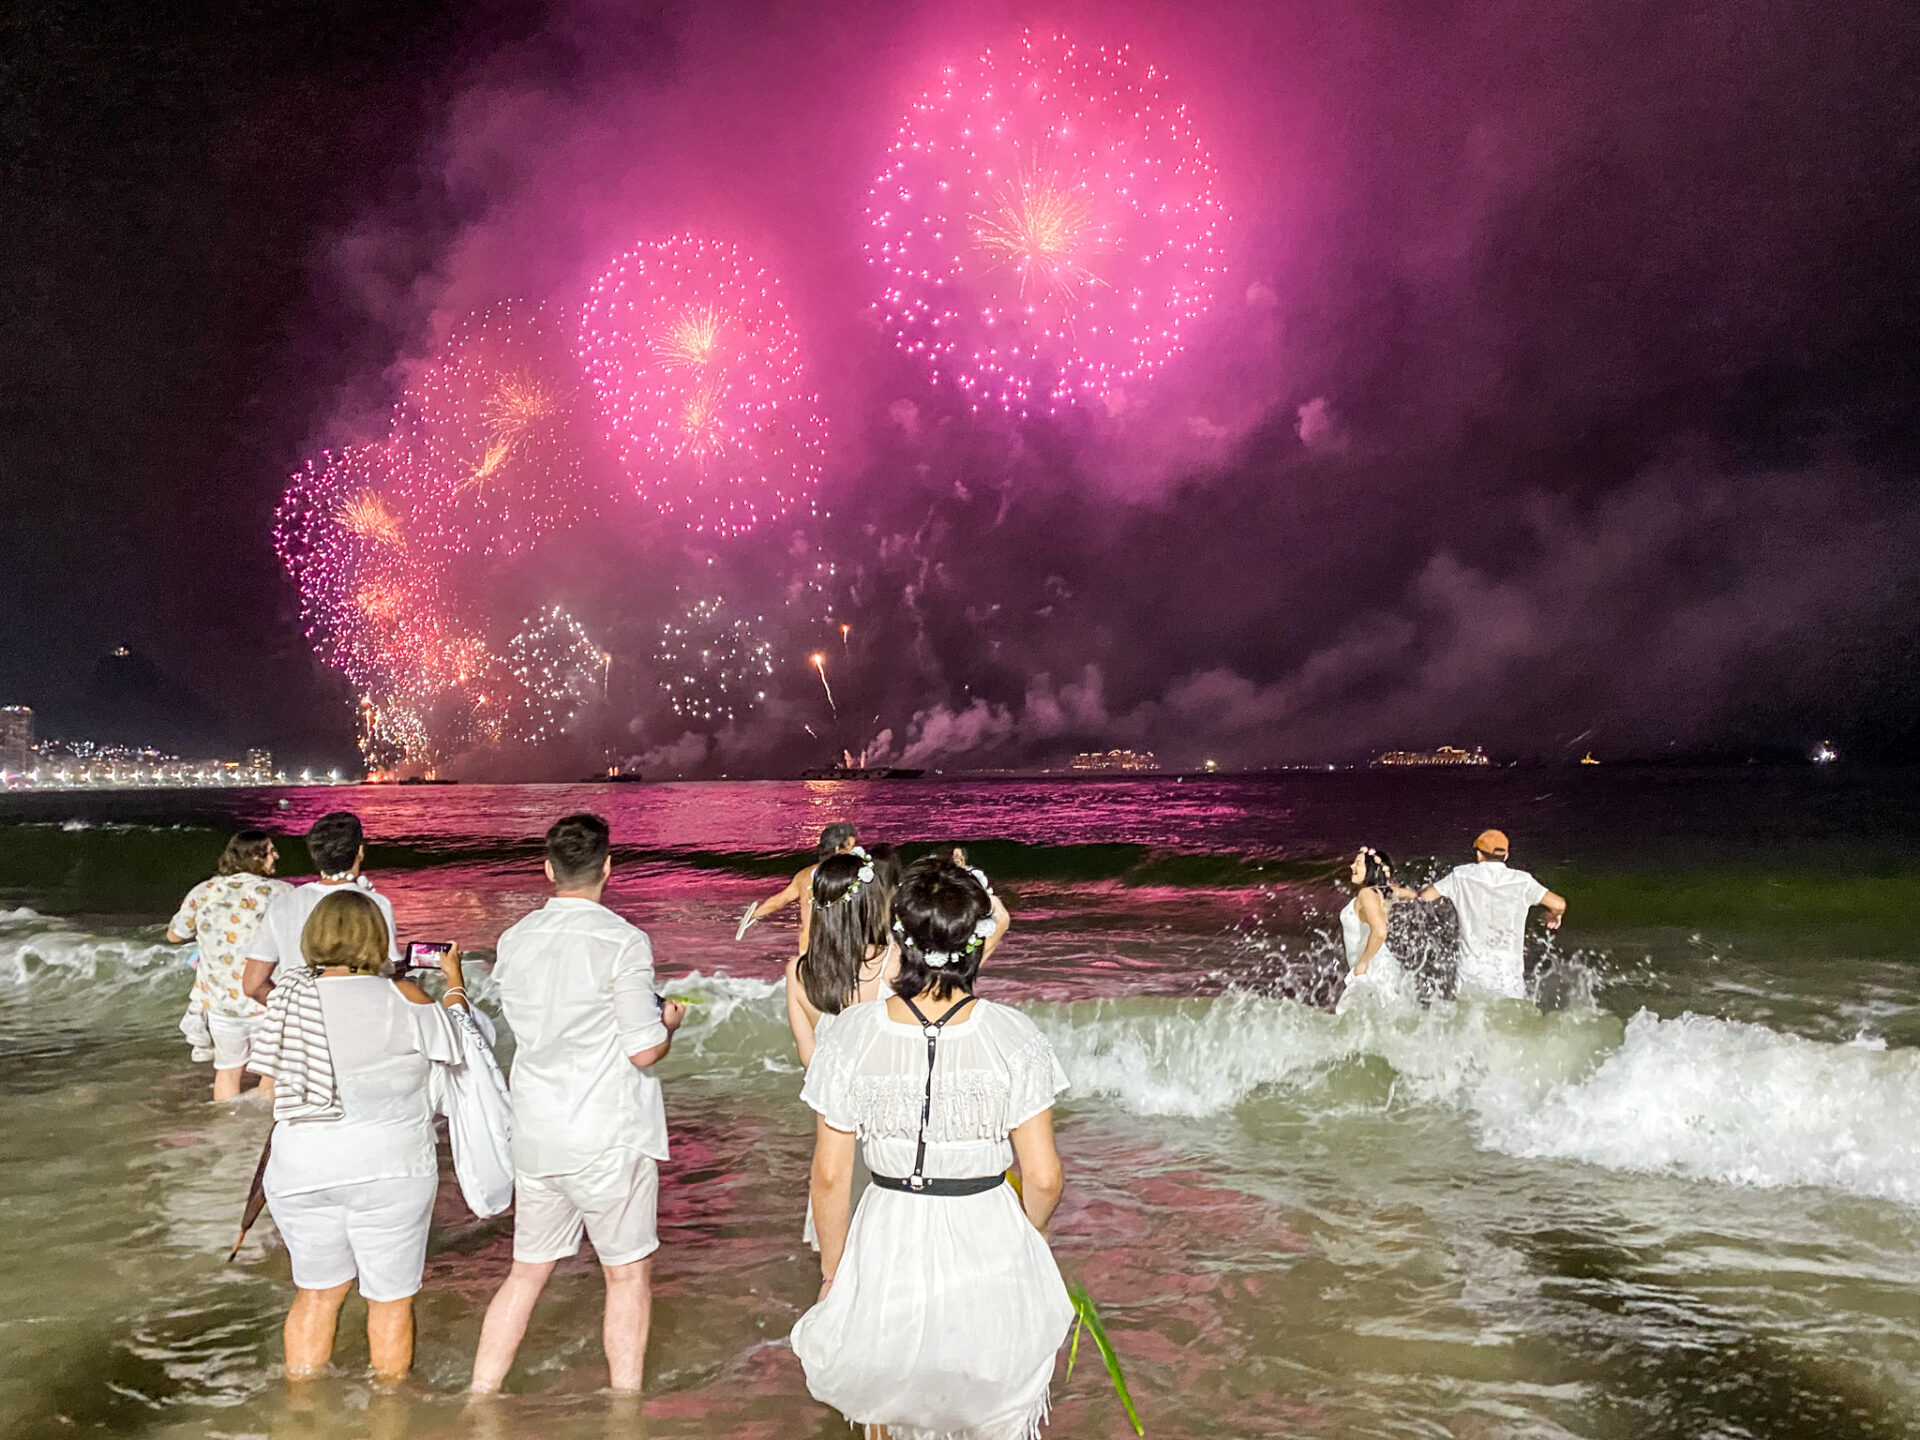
(1046, 229)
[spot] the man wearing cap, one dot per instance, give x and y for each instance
(1492, 902)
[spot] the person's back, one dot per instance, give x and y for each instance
(576, 987)
(589, 1125)
(1491, 900)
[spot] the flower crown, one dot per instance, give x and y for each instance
(940, 959)
(865, 877)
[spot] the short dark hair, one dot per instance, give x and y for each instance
(334, 842)
(577, 846)
(246, 854)
(938, 906)
(837, 836)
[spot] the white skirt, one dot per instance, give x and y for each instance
(1385, 982)
(943, 1322)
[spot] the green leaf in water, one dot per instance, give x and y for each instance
(1086, 1314)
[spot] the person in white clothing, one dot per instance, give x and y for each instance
(222, 914)
(353, 1195)
(839, 838)
(1372, 967)
(338, 847)
(1492, 901)
(589, 1125)
(941, 1310)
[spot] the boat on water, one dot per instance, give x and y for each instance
(860, 772)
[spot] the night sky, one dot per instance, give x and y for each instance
(1560, 393)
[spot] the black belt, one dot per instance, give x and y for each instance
(971, 1185)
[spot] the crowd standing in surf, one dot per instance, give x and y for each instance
(940, 1310)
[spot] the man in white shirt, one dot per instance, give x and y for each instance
(589, 1126)
(338, 847)
(1492, 902)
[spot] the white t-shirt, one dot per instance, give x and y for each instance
(1492, 902)
(277, 941)
(383, 1046)
(576, 985)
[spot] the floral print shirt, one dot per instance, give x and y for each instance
(222, 913)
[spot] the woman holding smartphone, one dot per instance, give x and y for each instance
(353, 1172)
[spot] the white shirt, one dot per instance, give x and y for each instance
(277, 941)
(1492, 902)
(576, 984)
(383, 1046)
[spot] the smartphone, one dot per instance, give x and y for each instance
(426, 954)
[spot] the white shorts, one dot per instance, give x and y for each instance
(232, 1040)
(615, 1200)
(375, 1230)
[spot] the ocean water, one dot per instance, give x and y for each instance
(1679, 1199)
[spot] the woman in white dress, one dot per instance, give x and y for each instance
(351, 1185)
(1372, 968)
(941, 1309)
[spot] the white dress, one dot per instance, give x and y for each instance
(1385, 979)
(947, 1312)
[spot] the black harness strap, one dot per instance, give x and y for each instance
(917, 1182)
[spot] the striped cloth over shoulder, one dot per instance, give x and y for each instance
(291, 1046)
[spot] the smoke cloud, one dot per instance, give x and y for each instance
(1558, 387)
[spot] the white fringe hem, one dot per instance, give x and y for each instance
(1026, 1428)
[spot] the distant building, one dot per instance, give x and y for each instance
(260, 765)
(16, 739)
(1445, 755)
(1116, 760)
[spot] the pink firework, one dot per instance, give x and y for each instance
(1046, 229)
(700, 384)
(376, 608)
(496, 434)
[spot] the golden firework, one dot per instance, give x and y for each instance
(691, 339)
(518, 404)
(367, 516)
(1045, 228)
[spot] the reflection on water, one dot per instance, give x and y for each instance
(1471, 1221)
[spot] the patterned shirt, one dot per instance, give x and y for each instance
(222, 913)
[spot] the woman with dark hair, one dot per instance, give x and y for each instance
(850, 957)
(1372, 968)
(941, 1309)
(352, 1170)
(222, 914)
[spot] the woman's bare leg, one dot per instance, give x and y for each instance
(226, 1083)
(308, 1333)
(390, 1337)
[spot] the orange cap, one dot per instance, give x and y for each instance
(1491, 842)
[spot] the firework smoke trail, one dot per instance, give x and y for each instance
(820, 664)
(499, 449)
(700, 385)
(1046, 229)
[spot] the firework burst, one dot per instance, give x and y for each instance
(493, 422)
(700, 384)
(1046, 228)
(559, 670)
(714, 663)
